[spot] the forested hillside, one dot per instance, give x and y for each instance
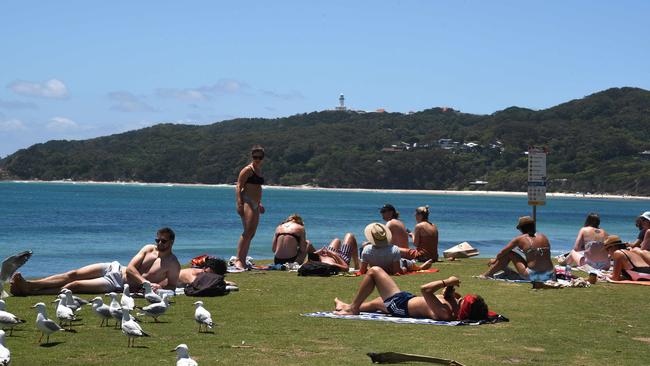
(595, 145)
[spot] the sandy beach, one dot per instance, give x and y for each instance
(405, 191)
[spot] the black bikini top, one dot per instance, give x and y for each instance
(254, 178)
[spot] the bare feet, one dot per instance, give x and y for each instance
(18, 285)
(239, 264)
(427, 264)
(344, 309)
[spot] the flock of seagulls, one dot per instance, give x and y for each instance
(68, 305)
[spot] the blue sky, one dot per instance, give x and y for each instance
(80, 69)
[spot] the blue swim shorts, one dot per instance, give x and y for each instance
(397, 305)
(535, 276)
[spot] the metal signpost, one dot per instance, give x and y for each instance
(536, 179)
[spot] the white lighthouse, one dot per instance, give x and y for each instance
(341, 106)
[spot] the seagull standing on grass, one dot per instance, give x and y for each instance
(101, 310)
(5, 354)
(64, 313)
(183, 356)
(149, 295)
(115, 308)
(157, 309)
(7, 319)
(9, 266)
(202, 316)
(127, 301)
(130, 328)
(73, 302)
(45, 325)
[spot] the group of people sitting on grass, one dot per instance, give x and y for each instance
(386, 245)
(386, 252)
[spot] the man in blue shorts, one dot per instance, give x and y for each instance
(447, 306)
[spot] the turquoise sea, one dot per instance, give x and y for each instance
(69, 225)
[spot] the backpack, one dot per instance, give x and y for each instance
(207, 284)
(318, 269)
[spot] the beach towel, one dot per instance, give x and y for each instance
(559, 283)
(628, 282)
(494, 318)
(430, 270)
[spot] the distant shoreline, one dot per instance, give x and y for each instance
(313, 188)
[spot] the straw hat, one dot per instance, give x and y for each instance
(378, 234)
(525, 220)
(611, 241)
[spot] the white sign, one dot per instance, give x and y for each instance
(536, 177)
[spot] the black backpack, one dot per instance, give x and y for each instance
(207, 284)
(318, 269)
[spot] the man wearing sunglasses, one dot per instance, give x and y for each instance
(154, 263)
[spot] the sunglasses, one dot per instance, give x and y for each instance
(258, 157)
(161, 241)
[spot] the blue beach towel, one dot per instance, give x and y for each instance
(392, 319)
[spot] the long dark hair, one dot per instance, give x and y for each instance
(593, 220)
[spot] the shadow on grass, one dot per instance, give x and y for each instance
(51, 344)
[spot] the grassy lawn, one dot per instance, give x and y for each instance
(600, 325)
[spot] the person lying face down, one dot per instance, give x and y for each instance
(447, 306)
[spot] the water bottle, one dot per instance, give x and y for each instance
(567, 272)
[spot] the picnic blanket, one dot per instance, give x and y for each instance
(493, 318)
(559, 283)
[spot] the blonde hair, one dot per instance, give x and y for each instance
(295, 218)
(423, 211)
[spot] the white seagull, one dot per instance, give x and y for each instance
(73, 302)
(45, 325)
(149, 295)
(157, 309)
(130, 328)
(115, 308)
(5, 355)
(101, 310)
(9, 266)
(64, 313)
(7, 319)
(183, 356)
(202, 316)
(127, 301)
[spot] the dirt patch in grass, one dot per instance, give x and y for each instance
(642, 339)
(534, 349)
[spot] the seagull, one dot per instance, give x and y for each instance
(73, 302)
(115, 308)
(149, 295)
(127, 301)
(101, 310)
(9, 266)
(63, 312)
(202, 316)
(183, 356)
(45, 325)
(130, 328)
(155, 310)
(5, 355)
(7, 319)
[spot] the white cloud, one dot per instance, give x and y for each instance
(226, 86)
(62, 124)
(127, 102)
(16, 104)
(182, 94)
(12, 125)
(52, 88)
(283, 96)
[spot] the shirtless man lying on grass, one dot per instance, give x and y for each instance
(448, 306)
(154, 263)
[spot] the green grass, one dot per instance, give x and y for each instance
(596, 326)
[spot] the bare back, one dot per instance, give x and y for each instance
(537, 250)
(288, 239)
(400, 236)
(425, 238)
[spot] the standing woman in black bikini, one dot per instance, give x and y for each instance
(249, 206)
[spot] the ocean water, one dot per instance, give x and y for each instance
(70, 225)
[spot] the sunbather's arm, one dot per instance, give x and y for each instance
(439, 309)
(580, 242)
(507, 249)
(617, 272)
(364, 267)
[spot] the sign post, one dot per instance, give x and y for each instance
(536, 179)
